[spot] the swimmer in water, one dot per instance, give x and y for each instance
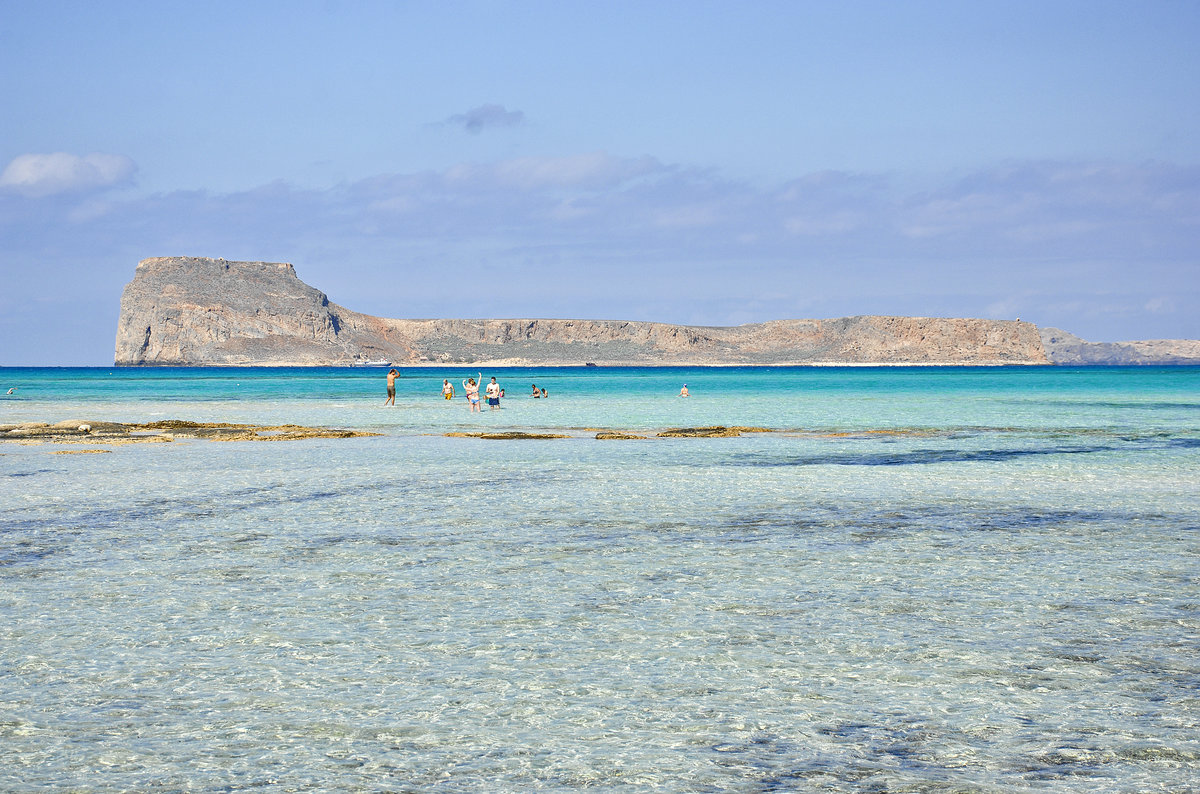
(684, 392)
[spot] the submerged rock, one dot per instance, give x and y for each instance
(166, 430)
(506, 436)
(700, 432)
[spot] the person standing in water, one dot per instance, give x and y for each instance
(391, 387)
(683, 392)
(471, 387)
(447, 389)
(493, 395)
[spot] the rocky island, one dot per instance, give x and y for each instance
(193, 311)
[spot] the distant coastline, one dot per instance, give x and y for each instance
(196, 311)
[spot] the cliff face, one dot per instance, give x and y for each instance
(186, 310)
(194, 311)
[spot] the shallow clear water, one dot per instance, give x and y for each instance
(999, 593)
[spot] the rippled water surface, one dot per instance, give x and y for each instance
(921, 580)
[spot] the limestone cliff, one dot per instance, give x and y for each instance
(196, 311)
(187, 310)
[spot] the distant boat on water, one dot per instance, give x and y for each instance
(379, 362)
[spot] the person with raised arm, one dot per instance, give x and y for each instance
(471, 387)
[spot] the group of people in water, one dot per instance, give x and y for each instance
(492, 391)
(471, 387)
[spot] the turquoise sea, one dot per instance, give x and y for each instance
(925, 579)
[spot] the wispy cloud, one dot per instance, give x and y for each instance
(1043, 212)
(39, 175)
(476, 120)
(1078, 246)
(1059, 203)
(589, 171)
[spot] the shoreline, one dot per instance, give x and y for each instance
(521, 364)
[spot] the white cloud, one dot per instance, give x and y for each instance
(40, 175)
(397, 205)
(92, 209)
(1006, 308)
(592, 170)
(832, 223)
(1159, 305)
(686, 216)
(569, 210)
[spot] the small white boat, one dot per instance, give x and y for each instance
(381, 362)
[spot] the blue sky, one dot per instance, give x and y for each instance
(708, 163)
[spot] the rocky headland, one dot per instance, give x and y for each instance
(1066, 348)
(197, 311)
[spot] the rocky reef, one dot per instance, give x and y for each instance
(96, 431)
(198, 311)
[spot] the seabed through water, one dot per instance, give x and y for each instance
(923, 580)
